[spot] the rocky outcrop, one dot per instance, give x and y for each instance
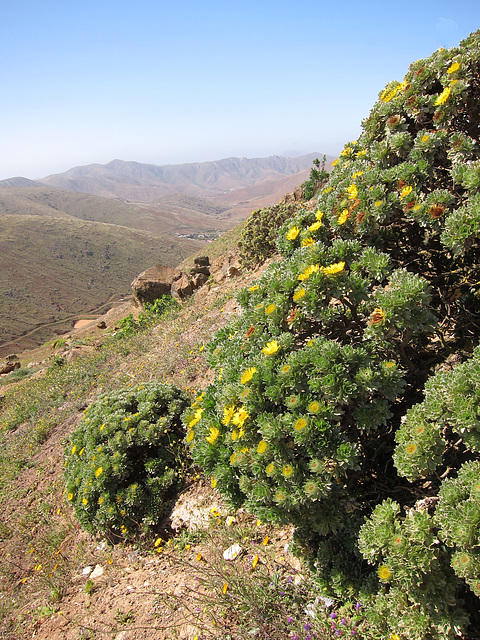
(10, 363)
(153, 283)
(160, 280)
(190, 282)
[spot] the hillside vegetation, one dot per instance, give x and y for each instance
(337, 401)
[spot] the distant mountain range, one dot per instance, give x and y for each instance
(147, 183)
(72, 241)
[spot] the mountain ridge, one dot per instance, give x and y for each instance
(146, 183)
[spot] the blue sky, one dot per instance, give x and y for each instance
(86, 81)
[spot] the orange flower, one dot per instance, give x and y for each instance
(377, 316)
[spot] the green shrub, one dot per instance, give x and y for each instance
(151, 313)
(316, 178)
(126, 460)
(319, 383)
(257, 242)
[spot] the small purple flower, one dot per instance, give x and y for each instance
(290, 619)
(358, 606)
(353, 632)
(333, 615)
(343, 621)
(307, 627)
(338, 632)
(290, 579)
(309, 637)
(296, 637)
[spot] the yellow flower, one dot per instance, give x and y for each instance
(261, 447)
(225, 588)
(196, 418)
(214, 433)
(314, 406)
(343, 217)
(292, 233)
(453, 67)
(443, 97)
(190, 435)
(233, 457)
(300, 424)
(84, 501)
(308, 272)
(378, 203)
(299, 294)
(407, 189)
(425, 137)
(213, 482)
(270, 308)
(308, 242)
(395, 636)
(319, 215)
(271, 348)
(254, 561)
(98, 472)
(239, 418)
(253, 288)
(74, 448)
(412, 447)
(346, 151)
(384, 572)
(287, 470)
(234, 435)
(352, 191)
(361, 153)
(315, 226)
(229, 412)
(265, 541)
(356, 175)
(334, 163)
(332, 269)
(270, 468)
(70, 496)
(246, 376)
(286, 368)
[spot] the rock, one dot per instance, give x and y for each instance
(102, 324)
(77, 351)
(202, 261)
(199, 279)
(232, 552)
(182, 288)
(9, 365)
(97, 572)
(87, 571)
(153, 283)
(224, 268)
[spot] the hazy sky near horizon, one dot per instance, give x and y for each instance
(165, 83)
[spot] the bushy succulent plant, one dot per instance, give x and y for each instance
(257, 242)
(126, 459)
(319, 383)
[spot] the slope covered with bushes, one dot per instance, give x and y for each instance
(340, 402)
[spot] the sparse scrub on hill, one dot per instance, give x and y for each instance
(311, 418)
